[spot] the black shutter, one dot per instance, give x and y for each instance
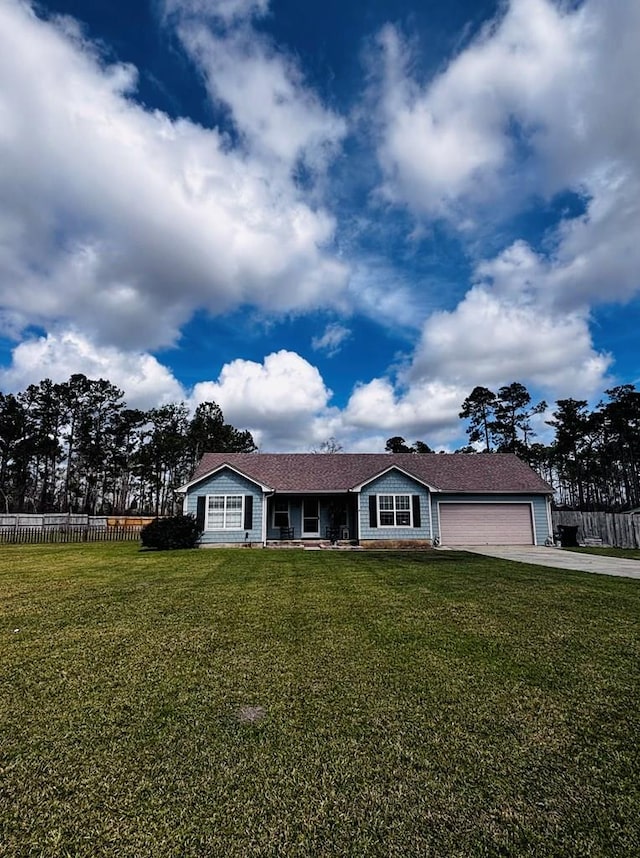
(416, 510)
(373, 511)
(202, 504)
(248, 512)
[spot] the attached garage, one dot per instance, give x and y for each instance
(486, 524)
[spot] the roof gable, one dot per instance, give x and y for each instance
(199, 477)
(392, 467)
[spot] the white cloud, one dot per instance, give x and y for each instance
(377, 291)
(331, 340)
(283, 400)
(286, 404)
(281, 120)
(453, 137)
(145, 382)
(280, 400)
(543, 101)
(122, 222)
(426, 407)
(598, 255)
(227, 11)
(490, 341)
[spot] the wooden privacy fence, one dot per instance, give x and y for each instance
(73, 533)
(33, 528)
(613, 528)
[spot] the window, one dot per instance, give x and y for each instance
(280, 513)
(394, 510)
(225, 512)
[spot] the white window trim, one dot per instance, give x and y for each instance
(208, 526)
(273, 515)
(395, 495)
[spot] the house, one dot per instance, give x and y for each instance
(374, 499)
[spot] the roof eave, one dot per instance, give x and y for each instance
(338, 491)
(494, 492)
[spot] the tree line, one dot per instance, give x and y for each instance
(77, 447)
(593, 459)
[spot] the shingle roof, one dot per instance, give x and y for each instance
(339, 472)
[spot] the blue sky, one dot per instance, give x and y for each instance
(334, 219)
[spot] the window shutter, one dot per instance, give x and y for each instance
(248, 512)
(373, 511)
(200, 515)
(416, 510)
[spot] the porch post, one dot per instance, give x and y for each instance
(265, 498)
(358, 496)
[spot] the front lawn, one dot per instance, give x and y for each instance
(287, 703)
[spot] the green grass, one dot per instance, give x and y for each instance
(415, 704)
(629, 553)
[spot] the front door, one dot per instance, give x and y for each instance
(310, 517)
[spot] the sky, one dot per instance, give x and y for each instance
(334, 219)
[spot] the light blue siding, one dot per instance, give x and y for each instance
(227, 482)
(394, 483)
(538, 502)
(295, 518)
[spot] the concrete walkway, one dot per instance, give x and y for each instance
(559, 559)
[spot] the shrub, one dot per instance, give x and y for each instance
(178, 531)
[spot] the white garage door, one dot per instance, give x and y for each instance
(486, 524)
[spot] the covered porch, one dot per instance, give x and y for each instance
(309, 517)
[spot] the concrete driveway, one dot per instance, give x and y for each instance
(559, 559)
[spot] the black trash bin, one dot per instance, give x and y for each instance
(568, 535)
